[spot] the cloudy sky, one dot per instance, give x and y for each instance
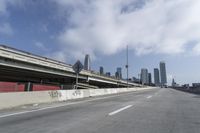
(66, 30)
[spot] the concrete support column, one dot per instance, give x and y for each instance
(29, 86)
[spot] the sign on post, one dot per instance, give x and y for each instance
(77, 67)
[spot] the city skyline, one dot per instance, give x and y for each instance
(55, 31)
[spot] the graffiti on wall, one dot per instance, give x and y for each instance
(55, 94)
(76, 93)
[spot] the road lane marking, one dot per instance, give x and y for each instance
(119, 110)
(149, 97)
(63, 105)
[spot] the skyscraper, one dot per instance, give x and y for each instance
(163, 74)
(149, 78)
(87, 62)
(156, 77)
(101, 70)
(118, 74)
(144, 76)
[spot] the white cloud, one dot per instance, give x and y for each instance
(196, 49)
(107, 26)
(6, 29)
(41, 46)
(4, 4)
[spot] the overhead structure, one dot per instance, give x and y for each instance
(20, 66)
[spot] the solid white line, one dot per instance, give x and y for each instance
(52, 107)
(149, 97)
(24, 112)
(119, 110)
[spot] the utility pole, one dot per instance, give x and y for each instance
(76, 81)
(127, 65)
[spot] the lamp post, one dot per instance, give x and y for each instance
(127, 65)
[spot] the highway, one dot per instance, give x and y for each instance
(150, 111)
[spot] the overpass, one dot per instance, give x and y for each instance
(21, 66)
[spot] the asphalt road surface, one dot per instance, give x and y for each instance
(151, 111)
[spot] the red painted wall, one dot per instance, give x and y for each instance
(45, 87)
(11, 87)
(17, 87)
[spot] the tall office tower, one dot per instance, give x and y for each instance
(119, 72)
(156, 77)
(144, 76)
(163, 74)
(87, 62)
(149, 78)
(101, 70)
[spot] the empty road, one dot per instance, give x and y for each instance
(151, 111)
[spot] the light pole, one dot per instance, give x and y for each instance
(127, 65)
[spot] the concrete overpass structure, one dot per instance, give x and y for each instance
(20, 66)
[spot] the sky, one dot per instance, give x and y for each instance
(66, 30)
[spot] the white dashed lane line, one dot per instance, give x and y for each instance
(149, 97)
(119, 110)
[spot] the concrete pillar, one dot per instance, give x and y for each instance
(29, 86)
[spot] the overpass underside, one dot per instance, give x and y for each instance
(21, 66)
(13, 71)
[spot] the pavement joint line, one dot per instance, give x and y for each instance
(149, 97)
(52, 107)
(120, 110)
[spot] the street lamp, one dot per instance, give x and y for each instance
(127, 65)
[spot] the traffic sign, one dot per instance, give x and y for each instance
(77, 67)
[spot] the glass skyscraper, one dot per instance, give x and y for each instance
(156, 77)
(163, 74)
(118, 74)
(87, 62)
(149, 78)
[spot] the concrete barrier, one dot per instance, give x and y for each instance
(9, 100)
